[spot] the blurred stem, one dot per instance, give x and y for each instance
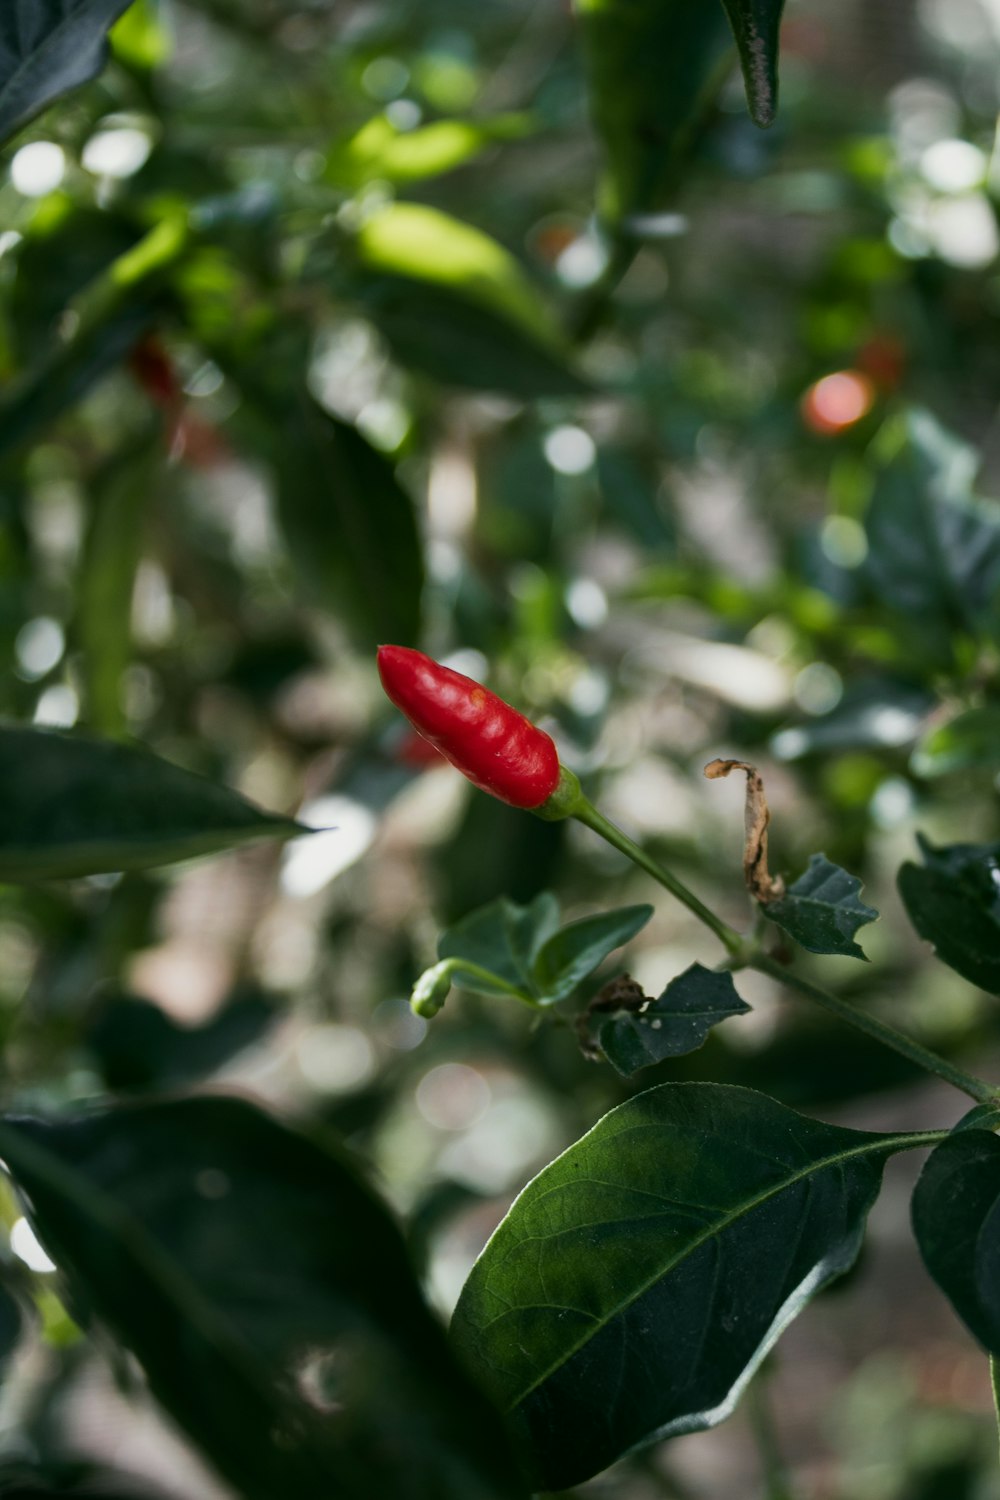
(595, 303)
(995, 1384)
(586, 813)
(921, 1057)
(774, 1470)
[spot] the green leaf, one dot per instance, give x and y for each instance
(821, 910)
(46, 48)
(266, 1294)
(350, 526)
(581, 947)
(968, 742)
(934, 549)
(956, 1219)
(70, 805)
(756, 26)
(110, 561)
(503, 938)
(381, 151)
(640, 1279)
(653, 67)
(521, 947)
(952, 901)
(453, 303)
(675, 1023)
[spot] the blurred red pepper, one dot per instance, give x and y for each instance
(497, 748)
(188, 437)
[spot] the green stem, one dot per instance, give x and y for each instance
(456, 967)
(586, 813)
(921, 1057)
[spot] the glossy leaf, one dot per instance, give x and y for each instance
(522, 948)
(653, 67)
(821, 909)
(934, 548)
(265, 1292)
(349, 524)
(453, 303)
(677, 1022)
(46, 48)
(952, 902)
(581, 947)
(756, 25)
(111, 557)
(639, 1280)
(70, 805)
(970, 741)
(956, 1219)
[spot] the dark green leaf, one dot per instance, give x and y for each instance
(349, 524)
(675, 1023)
(581, 947)
(522, 948)
(934, 549)
(266, 1294)
(756, 25)
(956, 1219)
(111, 557)
(639, 1280)
(952, 901)
(76, 806)
(821, 910)
(46, 48)
(877, 713)
(968, 742)
(503, 938)
(653, 68)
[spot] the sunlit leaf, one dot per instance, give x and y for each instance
(821, 909)
(677, 1022)
(638, 1281)
(454, 303)
(953, 901)
(265, 1293)
(71, 805)
(756, 25)
(381, 151)
(46, 48)
(653, 67)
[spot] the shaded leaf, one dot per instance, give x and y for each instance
(653, 68)
(110, 562)
(46, 48)
(873, 713)
(821, 910)
(265, 1292)
(581, 947)
(934, 548)
(956, 1219)
(756, 25)
(969, 741)
(953, 901)
(349, 524)
(504, 939)
(675, 1023)
(70, 805)
(638, 1281)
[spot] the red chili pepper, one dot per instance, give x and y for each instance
(497, 748)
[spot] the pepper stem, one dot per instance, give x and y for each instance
(585, 813)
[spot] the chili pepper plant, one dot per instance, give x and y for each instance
(498, 767)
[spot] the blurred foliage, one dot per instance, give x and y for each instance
(328, 324)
